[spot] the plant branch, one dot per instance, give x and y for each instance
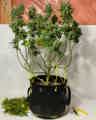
(28, 70)
(43, 60)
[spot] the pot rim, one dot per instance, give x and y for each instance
(39, 83)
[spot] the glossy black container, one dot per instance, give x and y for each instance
(49, 101)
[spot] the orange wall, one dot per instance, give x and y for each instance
(5, 8)
(84, 10)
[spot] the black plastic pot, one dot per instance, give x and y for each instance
(49, 101)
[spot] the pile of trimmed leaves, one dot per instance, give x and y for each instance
(15, 106)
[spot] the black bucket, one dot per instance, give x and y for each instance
(49, 101)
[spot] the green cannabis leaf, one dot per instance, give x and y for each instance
(16, 106)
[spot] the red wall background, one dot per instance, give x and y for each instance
(84, 10)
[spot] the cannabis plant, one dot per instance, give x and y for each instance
(43, 45)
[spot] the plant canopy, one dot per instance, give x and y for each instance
(43, 42)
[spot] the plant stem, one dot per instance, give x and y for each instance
(43, 60)
(21, 62)
(56, 73)
(70, 56)
(23, 58)
(65, 72)
(48, 74)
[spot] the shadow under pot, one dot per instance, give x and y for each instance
(49, 101)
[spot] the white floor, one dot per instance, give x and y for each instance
(89, 106)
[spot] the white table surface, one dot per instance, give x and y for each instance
(88, 105)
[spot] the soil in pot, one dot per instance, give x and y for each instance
(49, 101)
